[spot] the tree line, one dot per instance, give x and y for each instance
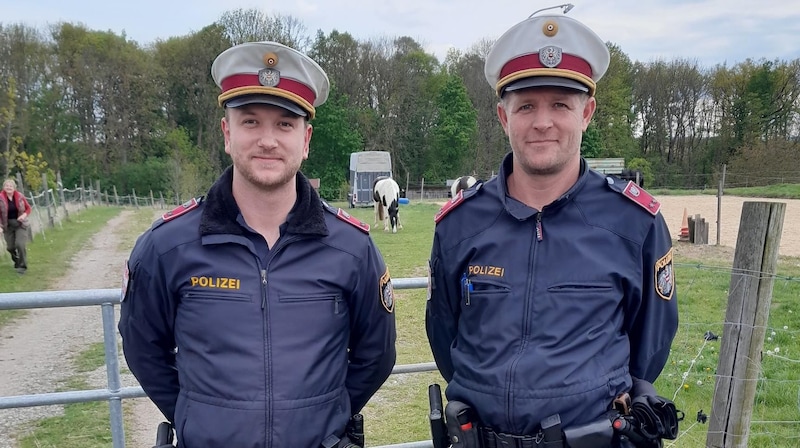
(97, 105)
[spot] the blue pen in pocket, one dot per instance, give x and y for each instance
(466, 288)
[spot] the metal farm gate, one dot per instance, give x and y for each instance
(107, 299)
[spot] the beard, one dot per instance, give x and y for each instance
(267, 180)
(533, 167)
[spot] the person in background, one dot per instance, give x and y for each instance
(552, 285)
(260, 316)
(14, 213)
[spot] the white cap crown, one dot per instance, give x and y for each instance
(271, 73)
(547, 50)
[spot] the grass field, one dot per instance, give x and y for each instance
(398, 413)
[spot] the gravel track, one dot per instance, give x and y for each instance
(36, 352)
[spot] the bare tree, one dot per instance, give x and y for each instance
(252, 25)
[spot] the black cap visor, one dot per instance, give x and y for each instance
(545, 81)
(244, 100)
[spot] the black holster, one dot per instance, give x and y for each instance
(353, 437)
(462, 425)
(598, 434)
(164, 435)
(657, 416)
(648, 419)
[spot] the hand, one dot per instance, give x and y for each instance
(22, 217)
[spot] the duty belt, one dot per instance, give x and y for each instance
(492, 439)
(549, 436)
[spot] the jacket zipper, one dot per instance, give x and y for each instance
(526, 322)
(539, 229)
(267, 352)
(267, 345)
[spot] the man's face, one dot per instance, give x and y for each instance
(266, 143)
(544, 126)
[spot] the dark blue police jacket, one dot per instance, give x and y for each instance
(241, 346)
(533, 313)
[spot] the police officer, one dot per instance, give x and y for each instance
(259, 316)
(552, 286)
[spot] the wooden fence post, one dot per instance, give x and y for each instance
(698, 230)
(83, 194)
(50, 220)
(61, 195)
(135, 199)
(116, 196)
(749, 297)
(720, 191)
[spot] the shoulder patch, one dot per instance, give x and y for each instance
(450, 205)
(636, 194)
(386, 291)
(664, 276)
(346, 217)
(180, 210)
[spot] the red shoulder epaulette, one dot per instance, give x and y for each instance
(641, 197)
(352, 220)
(180, 210)
(449, 205)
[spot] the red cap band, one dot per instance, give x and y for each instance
(531, 61)
(250, 80)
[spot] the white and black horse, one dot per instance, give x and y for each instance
(462, 183)
(386, 194)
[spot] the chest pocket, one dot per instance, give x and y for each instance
(486, 305)
(316, 303)
(216, 296)
(481, 288)
(588, 287)
(310, 319)
(596, 300)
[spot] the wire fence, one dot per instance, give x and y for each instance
(50, 207)
(691, 373)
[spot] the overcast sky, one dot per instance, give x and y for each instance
(710, 31)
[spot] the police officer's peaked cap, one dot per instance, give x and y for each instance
(547, 50)
(270, 73)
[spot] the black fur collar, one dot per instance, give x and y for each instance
(220, 212)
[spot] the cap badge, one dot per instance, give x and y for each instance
(550, 56)
(270, 59)
(550, 28)
(269, 77)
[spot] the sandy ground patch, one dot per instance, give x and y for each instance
(731, 214)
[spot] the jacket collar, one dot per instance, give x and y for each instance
(220, 211)
(522, 211)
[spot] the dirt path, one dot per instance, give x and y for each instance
(36, 352)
